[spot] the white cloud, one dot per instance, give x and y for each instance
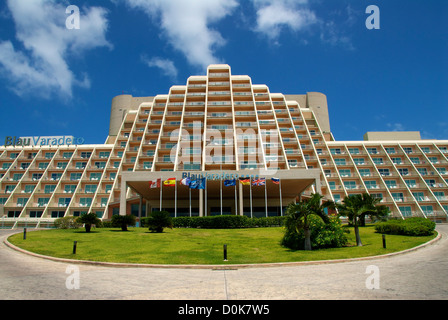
(167, 66)
(187, 25)
(274, 15)
(43, 65)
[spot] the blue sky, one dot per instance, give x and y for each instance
(59, 81)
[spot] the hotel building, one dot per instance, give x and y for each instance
(191, 151)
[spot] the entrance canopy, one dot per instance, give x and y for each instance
(217, 188)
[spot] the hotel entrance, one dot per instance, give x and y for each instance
(211, 193)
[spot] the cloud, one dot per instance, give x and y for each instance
(167, 66)
(187, 25)
(396, 126)
(41, 65)
(275, 15)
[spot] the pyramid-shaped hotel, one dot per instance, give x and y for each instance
(217, 145)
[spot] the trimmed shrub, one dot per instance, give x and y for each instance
(416, 226)
(330, 235)
(158, 220)
(68, 222)
(123, 221)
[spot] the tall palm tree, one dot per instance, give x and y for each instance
(298, 215)
(356, 207)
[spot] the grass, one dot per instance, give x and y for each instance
(198, 246)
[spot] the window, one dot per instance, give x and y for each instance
(90, 188)
(100, 164)
(61, 165)
(384, 172)
(364, 172)
(391, 183)
(378, 160)
(57, 214)
(406, 211)
(104, 202)
(6, 165)
(427, 210)
(440, 195)
(407, 150)
(350, 184)
(17, 176)
(85, 202)
(335, 151)
(359, 161)
(411, 183)
(104, 154)
(340, 162)
(353, 150)
(332, 185)
(419, 196)
(372, 150)
(390, 150)
(75, 176)
(69, 188)
(49, 188)
(422, 171)
(49, 155)
(56, 176)
(29, 188)
(24, 165)
(81, 165)
(415, 160)
(86, 154)
(36, 214)
(21, 202)
(42, 202)
(398, 197)
(95, 176)
(43, 165)
(108, 188)
(403, 171)
(64, 202)
(396, 160)
(67, 155)
(371, 184)
(9, 188)
(345, 172)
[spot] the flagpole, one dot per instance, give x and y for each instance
(250, 190)
(236, 203)
(175, 198)
(280, 189)
(266, 197)
(189, 195)
(161, 185)
(220, 187)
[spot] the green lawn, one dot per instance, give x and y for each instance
(198, 246)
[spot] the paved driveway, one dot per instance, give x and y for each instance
(420, 274)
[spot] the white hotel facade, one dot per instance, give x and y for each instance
(217, 129)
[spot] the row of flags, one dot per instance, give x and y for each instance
(200, 183)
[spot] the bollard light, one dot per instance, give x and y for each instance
(384, 241)
(74, 247)
(24, 233)
(225, 252)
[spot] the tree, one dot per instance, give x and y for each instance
(88, 219)
(123, 222)
(298, 216)
(356, 207)
(158, 220)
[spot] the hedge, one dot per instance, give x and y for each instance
(415, 226)
(224, 222)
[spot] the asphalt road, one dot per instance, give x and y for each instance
(420, 274)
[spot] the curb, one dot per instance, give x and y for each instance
(219, 266)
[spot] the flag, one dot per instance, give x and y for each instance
(259, 182)
(197, 184)
(276, 180)
(185, 181)
(171, 182)
(245, 181)
(155, 184)
(229, 183)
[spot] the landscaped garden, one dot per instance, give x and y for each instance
(305, 233)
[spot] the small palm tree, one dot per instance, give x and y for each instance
(298, 216)
(123, 221)
(356, 207)
(158, 220)
(89, 219)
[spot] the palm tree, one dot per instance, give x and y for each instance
(356, 207)
(298, 216)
